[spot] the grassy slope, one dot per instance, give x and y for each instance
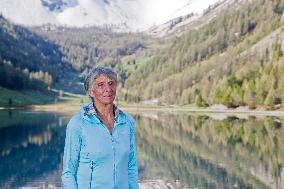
(24, 98)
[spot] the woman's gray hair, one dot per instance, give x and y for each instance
(95, 73)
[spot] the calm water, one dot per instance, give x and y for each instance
(174, 150)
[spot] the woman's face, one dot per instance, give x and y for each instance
(103, 90)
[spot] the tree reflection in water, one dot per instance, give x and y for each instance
(31, 147)
(207, 153)
(175, 150)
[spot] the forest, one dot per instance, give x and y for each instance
(27, 61)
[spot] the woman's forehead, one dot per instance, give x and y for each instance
(103, 78)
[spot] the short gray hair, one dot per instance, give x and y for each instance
(95, 73)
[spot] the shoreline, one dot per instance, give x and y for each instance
(73, 107)
(210, 111)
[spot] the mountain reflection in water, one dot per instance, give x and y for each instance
(174, 150)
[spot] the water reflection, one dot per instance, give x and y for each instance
(203, 152)
(30, 148)
(174, 150)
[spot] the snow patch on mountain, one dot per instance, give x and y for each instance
(59, 5)
(128, 14)
(196, 7)
(90, 12)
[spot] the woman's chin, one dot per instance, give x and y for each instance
(108, 100)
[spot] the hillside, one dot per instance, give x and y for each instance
(85, 48)
(220, 61)
(30, 57)
(30, 63)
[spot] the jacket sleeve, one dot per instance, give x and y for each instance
(71, 154)
(132, 163)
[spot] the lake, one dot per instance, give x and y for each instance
(175, 150)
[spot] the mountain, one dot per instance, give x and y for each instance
(226, 56)
(235, 57)
(121, 14)
(71, 12)
(231, 54)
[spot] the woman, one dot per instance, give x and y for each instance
(99, 148)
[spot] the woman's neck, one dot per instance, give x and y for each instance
(106, 114)
(104, 110)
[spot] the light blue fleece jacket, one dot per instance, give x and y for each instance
(94, 158)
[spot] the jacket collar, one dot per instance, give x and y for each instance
(89, 113)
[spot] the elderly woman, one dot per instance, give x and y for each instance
(99, 148)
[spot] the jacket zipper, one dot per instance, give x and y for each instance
(113, 149)
(114, 154)
(92, 168)
(114, 166)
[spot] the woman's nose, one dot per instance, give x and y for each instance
(108, 88)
